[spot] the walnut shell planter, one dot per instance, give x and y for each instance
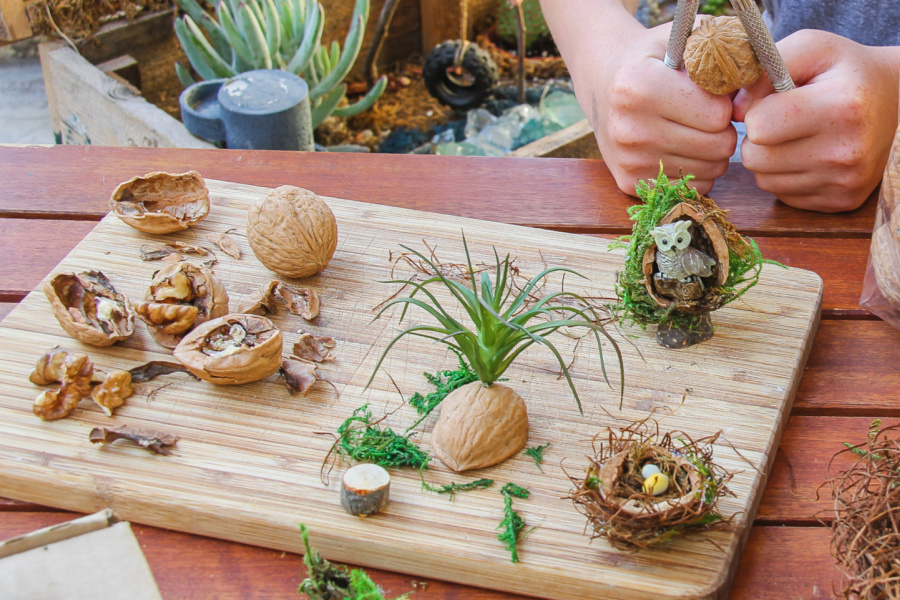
(292, 232)
(89, 309)
(232, 350)
(479, 426)
(161, 202)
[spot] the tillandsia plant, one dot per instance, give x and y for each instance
(485, 422)
(245, 35)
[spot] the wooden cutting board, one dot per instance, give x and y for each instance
(248, 464)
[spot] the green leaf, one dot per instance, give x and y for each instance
(203, 58)
(184, 75)
(273, 27)
(327, 106)
(256, 40)
(232, 35)
(311, 37)
(352, 45)
(364, 103)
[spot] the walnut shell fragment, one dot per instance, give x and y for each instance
(161, 202)
(479, 426)
(232, 350)
(261, 302)
(300, 301)
(292, 231)
(88, 307)
(719, 58)
(152, 441)
(314, 348)
(181, 296)
(299, 375)
(885, 257)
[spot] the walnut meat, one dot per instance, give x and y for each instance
(232, 350)
(719, 58)
(89, 309)
(181, 296)
(161, 202)
(479, 426)
(73, 372)
(292, 232)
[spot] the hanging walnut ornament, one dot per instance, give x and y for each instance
(292, 231)
(161, 202)
(719, 58)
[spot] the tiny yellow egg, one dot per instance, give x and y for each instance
(656, 484)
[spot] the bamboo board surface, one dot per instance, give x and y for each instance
(247, 467)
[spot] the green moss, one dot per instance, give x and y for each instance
(537, 453)
(512, 524)
(362, 439)
(659, 196)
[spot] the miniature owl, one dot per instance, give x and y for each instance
(674, 254)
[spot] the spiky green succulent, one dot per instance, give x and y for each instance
(245, 35)
(506, 319)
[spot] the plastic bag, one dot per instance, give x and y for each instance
(881, 287)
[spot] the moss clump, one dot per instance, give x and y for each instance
(659, 196)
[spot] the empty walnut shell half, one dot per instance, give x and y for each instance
(719, 58)
(232, 350)
(89, 309)
(181, 296)
(161, 202)
(292, 231)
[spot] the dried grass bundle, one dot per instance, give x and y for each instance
(612, 496)
(866, 529)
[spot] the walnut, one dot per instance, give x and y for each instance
(161, 202)
(74, 373)
(232, 350)
(88, 307)
(181, 296)
(479, 426)
(292, 231)
(111, 393)
(719, 58)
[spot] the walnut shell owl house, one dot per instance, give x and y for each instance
(484, 422)
(684, 260)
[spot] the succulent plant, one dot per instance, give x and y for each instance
(245, 35)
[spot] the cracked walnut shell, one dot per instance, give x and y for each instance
(719, 58)
(479, 426)
(161, 202)
(292, 231)
(89, 309)
(232, 350)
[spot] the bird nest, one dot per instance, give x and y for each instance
(612, 493)
(866, 527)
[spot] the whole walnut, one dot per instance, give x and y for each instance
(292, 231)
(719, 58)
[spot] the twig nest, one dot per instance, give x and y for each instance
(479, 426)
(181, 296)
(292, 231)
(719, 58)
(161, 202)
(89, 309)
(232, 350)
(642, 489)
(680, 275)
(365, 489)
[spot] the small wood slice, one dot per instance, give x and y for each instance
(365, 489)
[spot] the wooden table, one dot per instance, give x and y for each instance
(50, 198)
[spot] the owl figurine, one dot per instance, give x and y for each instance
(675, 256)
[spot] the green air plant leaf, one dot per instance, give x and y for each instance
(506, 320)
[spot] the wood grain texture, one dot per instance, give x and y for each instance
(31, 248)
(6, 308)
(780, 562)
(566, 194)
(229, 480)
(854, 369)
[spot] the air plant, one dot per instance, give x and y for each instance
(506, 320)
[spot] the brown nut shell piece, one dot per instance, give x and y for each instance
(185, 285)
(292, 231)
(479, 426)
(232, 350)
(719, 58)
(88, 307)
(161, 202)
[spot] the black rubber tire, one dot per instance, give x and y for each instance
(476, 62)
